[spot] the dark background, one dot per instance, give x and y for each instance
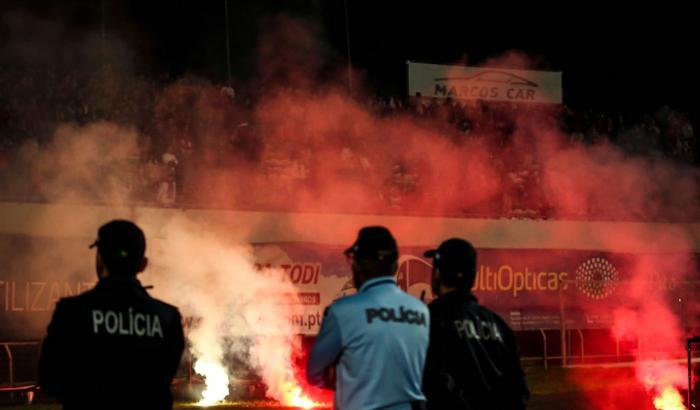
(634, 59)
(630, 60)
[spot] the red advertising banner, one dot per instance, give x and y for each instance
(528, 287)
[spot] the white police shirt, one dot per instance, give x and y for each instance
(377, 340)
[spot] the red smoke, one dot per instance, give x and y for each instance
(316, 149)
(307, 146)
(658, 329)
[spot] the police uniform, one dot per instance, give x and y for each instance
(112, 347)
(376, 340)
(473, 360)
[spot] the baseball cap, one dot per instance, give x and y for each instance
(374, 243)
(455, 257)
(121, 244)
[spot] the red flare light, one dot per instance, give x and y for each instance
(669, 399)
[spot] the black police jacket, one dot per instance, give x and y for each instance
(112, 347)
(473, 360)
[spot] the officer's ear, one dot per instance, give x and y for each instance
(144, 264)
(395, 268)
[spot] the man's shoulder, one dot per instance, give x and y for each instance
(437, 304)
(408, 300)
(165, 307)
(361, 300)
(457, 304)
(91, 297)
(347, 302)
(485, 311)
(490, 315)
(75, 301)
(348, 306)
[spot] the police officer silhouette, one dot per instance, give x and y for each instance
(113, 347)
(473, 361)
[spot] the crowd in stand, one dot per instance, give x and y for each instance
(174, 143)
(663, 132)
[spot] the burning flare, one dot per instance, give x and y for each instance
(294, 396)
(662, 378)
(216, 381)
(242, 311)
(669, 399)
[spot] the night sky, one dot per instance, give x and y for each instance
(636, 59)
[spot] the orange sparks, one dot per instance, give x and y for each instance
(294, 396)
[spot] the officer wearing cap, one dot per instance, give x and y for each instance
(473, 360)
(375, 341)
(113, 346)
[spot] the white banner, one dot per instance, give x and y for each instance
(475, 83)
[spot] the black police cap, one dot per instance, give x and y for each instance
(121, 242)
(374, 243)
(455, 257)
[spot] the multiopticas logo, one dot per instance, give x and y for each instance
(414, 276)
(597, 278)
(507, 278)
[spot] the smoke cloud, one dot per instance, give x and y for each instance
(303, 145)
